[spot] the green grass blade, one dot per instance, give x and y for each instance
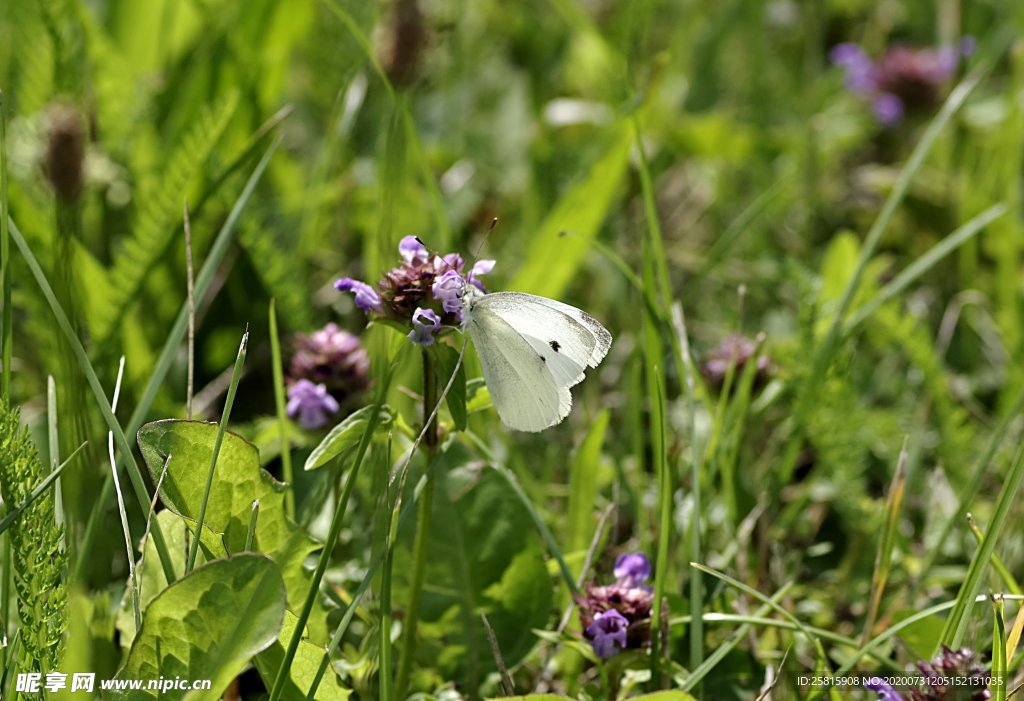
(12, 515)
(967, 494)
(919, 267)
(696, 475)
(706, 666)
(282, 418)
(138, 483)
(956, 624)
(236, 375)
(665, 502)
(883, 555)
(999, 659)
(1009, 581)
(735, 583)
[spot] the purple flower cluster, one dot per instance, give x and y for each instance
(424, 291)
(939, 674)
(617, 616)
(905, 78)
(329, 369)
(734, 352)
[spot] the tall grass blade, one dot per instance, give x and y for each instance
(999, 658)
(282, 418)
(883, 555)
(1009, 581)
(236, 375)
(956, 624)
(134, 474)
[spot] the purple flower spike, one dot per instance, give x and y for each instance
(366, 297)
(883, 689)
(888, 109)
(447, 290)
(424, 323)
(608, 633)
(412, 249)
(310, 403)
(858, 67)
(632, 568)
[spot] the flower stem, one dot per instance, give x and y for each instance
(422, 530)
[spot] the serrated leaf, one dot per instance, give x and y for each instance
(207, 625)
(345, 436)
(239, 480)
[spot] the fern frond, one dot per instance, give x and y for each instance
(158, 220)
(39, 563)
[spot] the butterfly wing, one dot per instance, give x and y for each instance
(569, 339)
(523, 389)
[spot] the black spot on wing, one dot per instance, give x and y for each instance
(555, 345)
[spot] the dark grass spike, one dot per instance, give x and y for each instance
(191, 301)
(507, 687)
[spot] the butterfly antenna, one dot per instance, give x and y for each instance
(483, 241)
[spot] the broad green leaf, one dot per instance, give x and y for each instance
(657, 696)
(581, 211)
(345, 436)
(447, 357)
(303, 667)
(239, 480)
(207, 625)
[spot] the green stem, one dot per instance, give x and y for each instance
(422, 530)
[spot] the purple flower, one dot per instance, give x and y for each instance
(333, 357)
(412, 249)
(481, 267)
(883, 689)
(447, 290)
(608, 633)
(310, 403)
(632, 568)
(888, 109)
(424, 323)
(857, 66)
(366, 297)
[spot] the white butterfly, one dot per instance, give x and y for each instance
(532, 350)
